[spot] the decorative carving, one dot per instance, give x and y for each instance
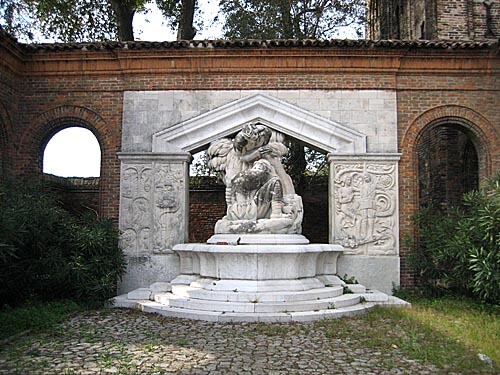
(128, 241)
(151, 211)
(168, 180)
(135, 215)
(129, 182)
(260, 195)
(167, 189)
(365, 202)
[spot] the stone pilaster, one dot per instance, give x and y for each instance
(153, 214)
(364, 216)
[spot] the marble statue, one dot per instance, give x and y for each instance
(260, 195)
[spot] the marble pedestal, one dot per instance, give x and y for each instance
(253, 278)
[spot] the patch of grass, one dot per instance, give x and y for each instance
(34, 317)
(445, 332)
(477, 326)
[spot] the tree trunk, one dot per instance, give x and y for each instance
(286, 19)
(186, 30)
(296, 167)
(124, 12)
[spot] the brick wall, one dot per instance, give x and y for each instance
(9, 94)
(447, 166)
(77, 195)
(47, 88)
(432, 19)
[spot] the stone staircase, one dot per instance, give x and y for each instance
(202, 299)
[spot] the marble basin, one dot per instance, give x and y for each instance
(258, 262)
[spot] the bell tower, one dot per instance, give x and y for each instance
(433, 19)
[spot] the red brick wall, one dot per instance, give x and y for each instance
(77, 195)
(431, 19)
(9, 97)
(47, 89)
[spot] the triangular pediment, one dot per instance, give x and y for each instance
(318, 132)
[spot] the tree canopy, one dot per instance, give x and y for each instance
(86, 21)
(267, 19)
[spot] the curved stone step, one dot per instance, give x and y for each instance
(173, 300)
(236, 296)
(257, 286)
(286, 317)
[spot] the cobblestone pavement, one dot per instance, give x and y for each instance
(130, 342)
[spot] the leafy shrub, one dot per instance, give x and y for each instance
(47, 254)
(459, 250)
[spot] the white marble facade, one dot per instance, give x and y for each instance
(357, 128)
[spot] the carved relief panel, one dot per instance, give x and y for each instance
(135, 218)
(365, 206)
(152, 207)
(168, 209)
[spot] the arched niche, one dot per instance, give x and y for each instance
(448, 165)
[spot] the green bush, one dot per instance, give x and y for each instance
(459, 250)
(47, 254)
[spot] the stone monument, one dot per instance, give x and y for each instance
(257, 266)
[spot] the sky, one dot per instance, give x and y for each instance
(72, 152)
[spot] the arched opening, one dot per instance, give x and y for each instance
(71, 166)
(448, 165)
(207, 202)
(72, 152)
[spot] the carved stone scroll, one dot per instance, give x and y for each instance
(135, 217)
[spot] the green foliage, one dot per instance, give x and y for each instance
(34, 317)
(172, 11)
(459, 250)
(14, 18)
(349, 280)
(76, 20)
(270, 19)
(47, 254)
(61, 20)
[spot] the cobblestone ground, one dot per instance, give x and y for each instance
(129, 342)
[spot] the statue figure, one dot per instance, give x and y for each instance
(256, 194)
(260, 195)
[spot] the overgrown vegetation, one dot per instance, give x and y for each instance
(35, 317)
(459, 250)
(46, 254)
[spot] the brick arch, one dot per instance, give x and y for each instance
(59, 118)
(35, 139)
(483, 135)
